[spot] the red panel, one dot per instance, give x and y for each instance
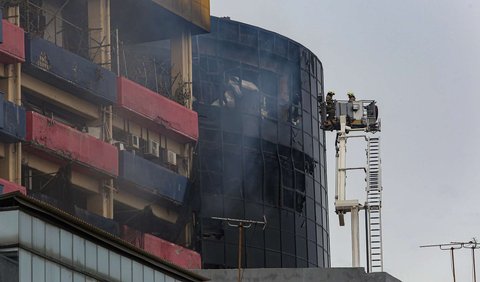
(9, 187)
(53, 136)
(171, 252)
(156, 108)
(12, 50)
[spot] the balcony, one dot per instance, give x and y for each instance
(171, 16)
(12, 49)
(151, 177)
(156, 110)
(69, 72)
(48, 135)
(12, 122)
(10, 187)
(163, 249)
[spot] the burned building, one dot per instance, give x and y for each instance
(79, 131)
(260, 151)
(150, 130)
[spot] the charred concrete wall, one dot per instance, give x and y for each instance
(260, 151)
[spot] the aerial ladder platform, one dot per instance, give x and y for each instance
(358, 119)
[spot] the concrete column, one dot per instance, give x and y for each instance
(102, 203)
(355, 238)
(11, 163)
(99, 32)
(99, 44)
(181, 69)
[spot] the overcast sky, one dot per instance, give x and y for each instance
(421, 61)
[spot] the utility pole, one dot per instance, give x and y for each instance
(241, 224)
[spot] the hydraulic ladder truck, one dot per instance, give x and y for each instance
(350, 119)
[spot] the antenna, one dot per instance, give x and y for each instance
(452, 246)
(241, 224)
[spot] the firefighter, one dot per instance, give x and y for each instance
(330, 106)
(351, 97)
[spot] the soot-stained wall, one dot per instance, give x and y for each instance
(261, 151)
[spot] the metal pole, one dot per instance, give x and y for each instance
(474, 267)
(355, 238)
(240, 232)
(453, 264)
(117, 43)
(367, 243)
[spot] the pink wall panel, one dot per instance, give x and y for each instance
(149, 105)
(67, 142)
(12, 49)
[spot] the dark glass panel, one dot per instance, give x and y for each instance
(251, 125)
(288, 261)
(300, 226)
(311, 234)
(288, 243)
(312, 252)
(299, 181)
(272, 239)
(285, 136)
(211, 182)
(248, 36)
(301, 246)
(307, 123)
(287, 220)
(306, 101)
(309, 186)
(232, 174)
(255, 258)
(288, 198)
(300, 203)
(213, 253)
(273, 259)
(271, 181)
(253, 177)
(269, 130)
(281, 46)
(310, 209)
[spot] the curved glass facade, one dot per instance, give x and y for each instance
(261, 150)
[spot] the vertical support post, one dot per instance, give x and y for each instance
(240, 239)
(181, 68)
(100, 53)
(355, 237)
(367, 241)
(341, 160)
(99, 32)
(11, 164)
(453, 263)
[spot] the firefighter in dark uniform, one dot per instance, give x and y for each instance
(351, 97)
(330, 108)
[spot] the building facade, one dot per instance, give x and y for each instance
(80, 132)
(149, 130)
(38, 242)
(261, 151)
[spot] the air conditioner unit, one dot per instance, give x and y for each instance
(153, 149)
(95, 131)
(171, 157)
(120, 146)
(134, 141)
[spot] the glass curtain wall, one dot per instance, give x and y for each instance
(261, 151)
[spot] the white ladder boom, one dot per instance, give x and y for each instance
(374, 205)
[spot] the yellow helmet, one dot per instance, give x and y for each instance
(350, 94)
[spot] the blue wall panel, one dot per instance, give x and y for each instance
(69, 71)
(12, 122)
(153, 177)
